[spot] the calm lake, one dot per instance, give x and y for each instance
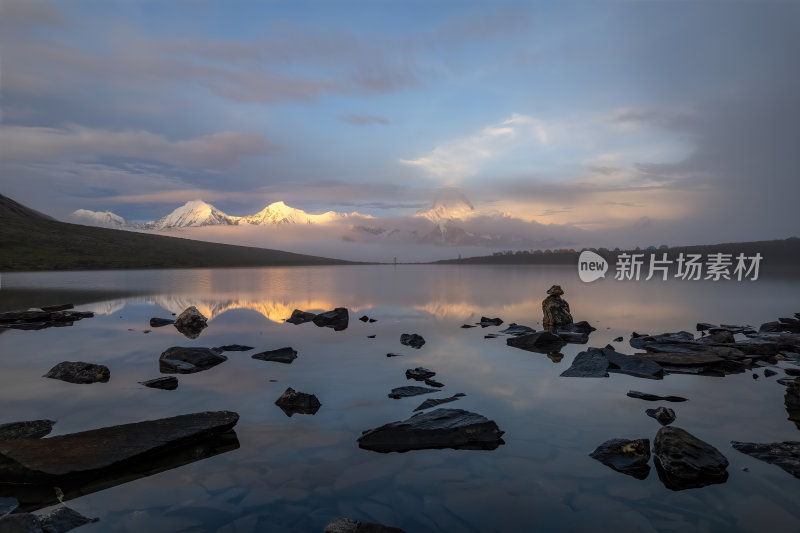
(298, 473)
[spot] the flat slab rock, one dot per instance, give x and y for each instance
(626, 456)
(84, 453)
(183, 360)
(79, 372)
(8, 505)
(165, 383)
(419, 373)
(348, 525)
(282, 355)
(783, 454)
(433, 402)
(517, 329)
(234, 348)
(589, 364)
(540, 342)
(440, 428)
(411, 390)
(654, 397)
(412, 339)
(683, 461)
(632, 365)
(156, 322)
(40, 318)
(30, 429)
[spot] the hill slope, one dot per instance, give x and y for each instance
(30, 240)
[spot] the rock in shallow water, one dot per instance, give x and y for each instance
(540, 342)
(8, 505)
(282, 355)
(36, 318)
(59, 520)
(412, 339)
(348, 525)
(632, 365)
(300, 317)
(191, 322)
(433, 402)
(627, 456)
(405, 392)
(188, 360)
(683, 461)
(79, 372)
(156, 322)
(293, 402)
(31, 429)
(441, 428)
(516, 329)
(419, 373)
(555, 309)
(234, 348)
(165, 383)
(654, 397)
(783, 454)
(338, 319)
(589, 364)
(664, 415)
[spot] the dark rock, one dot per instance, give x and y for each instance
(792, 371)
(433, 402)
(769, 373)
(770, 327)
(784, 381)
(664, 415)
(721, 336)
(555, 309)
(517, 329)
(338, 319)
(627, 456)
(683, 461)
(20, 523)
(579, 327)
(293, 402)
(165, 383)
(370, 336)
(681, 359)
(59, 307)
(32, 429)
(783, 454)
(572, 337)
(541, 342)
(755, 376)
(433, 383)
(441, 428)
(404, 392)
(191, 322)
(791, 400)
(619, 339)
(589, 364)
(364, 318)
(704, 326)
(33, 319)
(419, 373)
(8, 505)
(465, 326)
(188, 360)
(79, 372)
(85, 453)
(156, 322)
(412, 339)
(485, 322)
(555, 357)
(348, 525)
(63, 519)
(632, 365)
(654, 397)
(234, 348)
(300, 317)
(281, 355)
(371, 320)
(393, 354)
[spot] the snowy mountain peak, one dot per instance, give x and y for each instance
(193, 213)
(105, 219)
(449, 203)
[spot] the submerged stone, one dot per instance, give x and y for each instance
(441, 428)
(282, 355)
(79, 372)
(31, 429)
(156, 322)
(627, 456)
(589, 364)
(783, 454)
(654, 397)
(188, 360)
(348, 525)
(540, 342)
(165, 383)
(405, 392)
(433, 402)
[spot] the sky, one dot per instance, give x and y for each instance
(638, 122)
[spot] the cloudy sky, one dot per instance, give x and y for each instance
(672, 122)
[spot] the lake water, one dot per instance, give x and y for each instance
(297, 474)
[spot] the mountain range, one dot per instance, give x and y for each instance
(439, 223)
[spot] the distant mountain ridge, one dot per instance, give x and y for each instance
(195, 213)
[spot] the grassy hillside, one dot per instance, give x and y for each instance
(32, 241)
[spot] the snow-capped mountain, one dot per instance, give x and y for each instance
(280, 213)
(105, 219)
(448, 204)
(191, 214)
